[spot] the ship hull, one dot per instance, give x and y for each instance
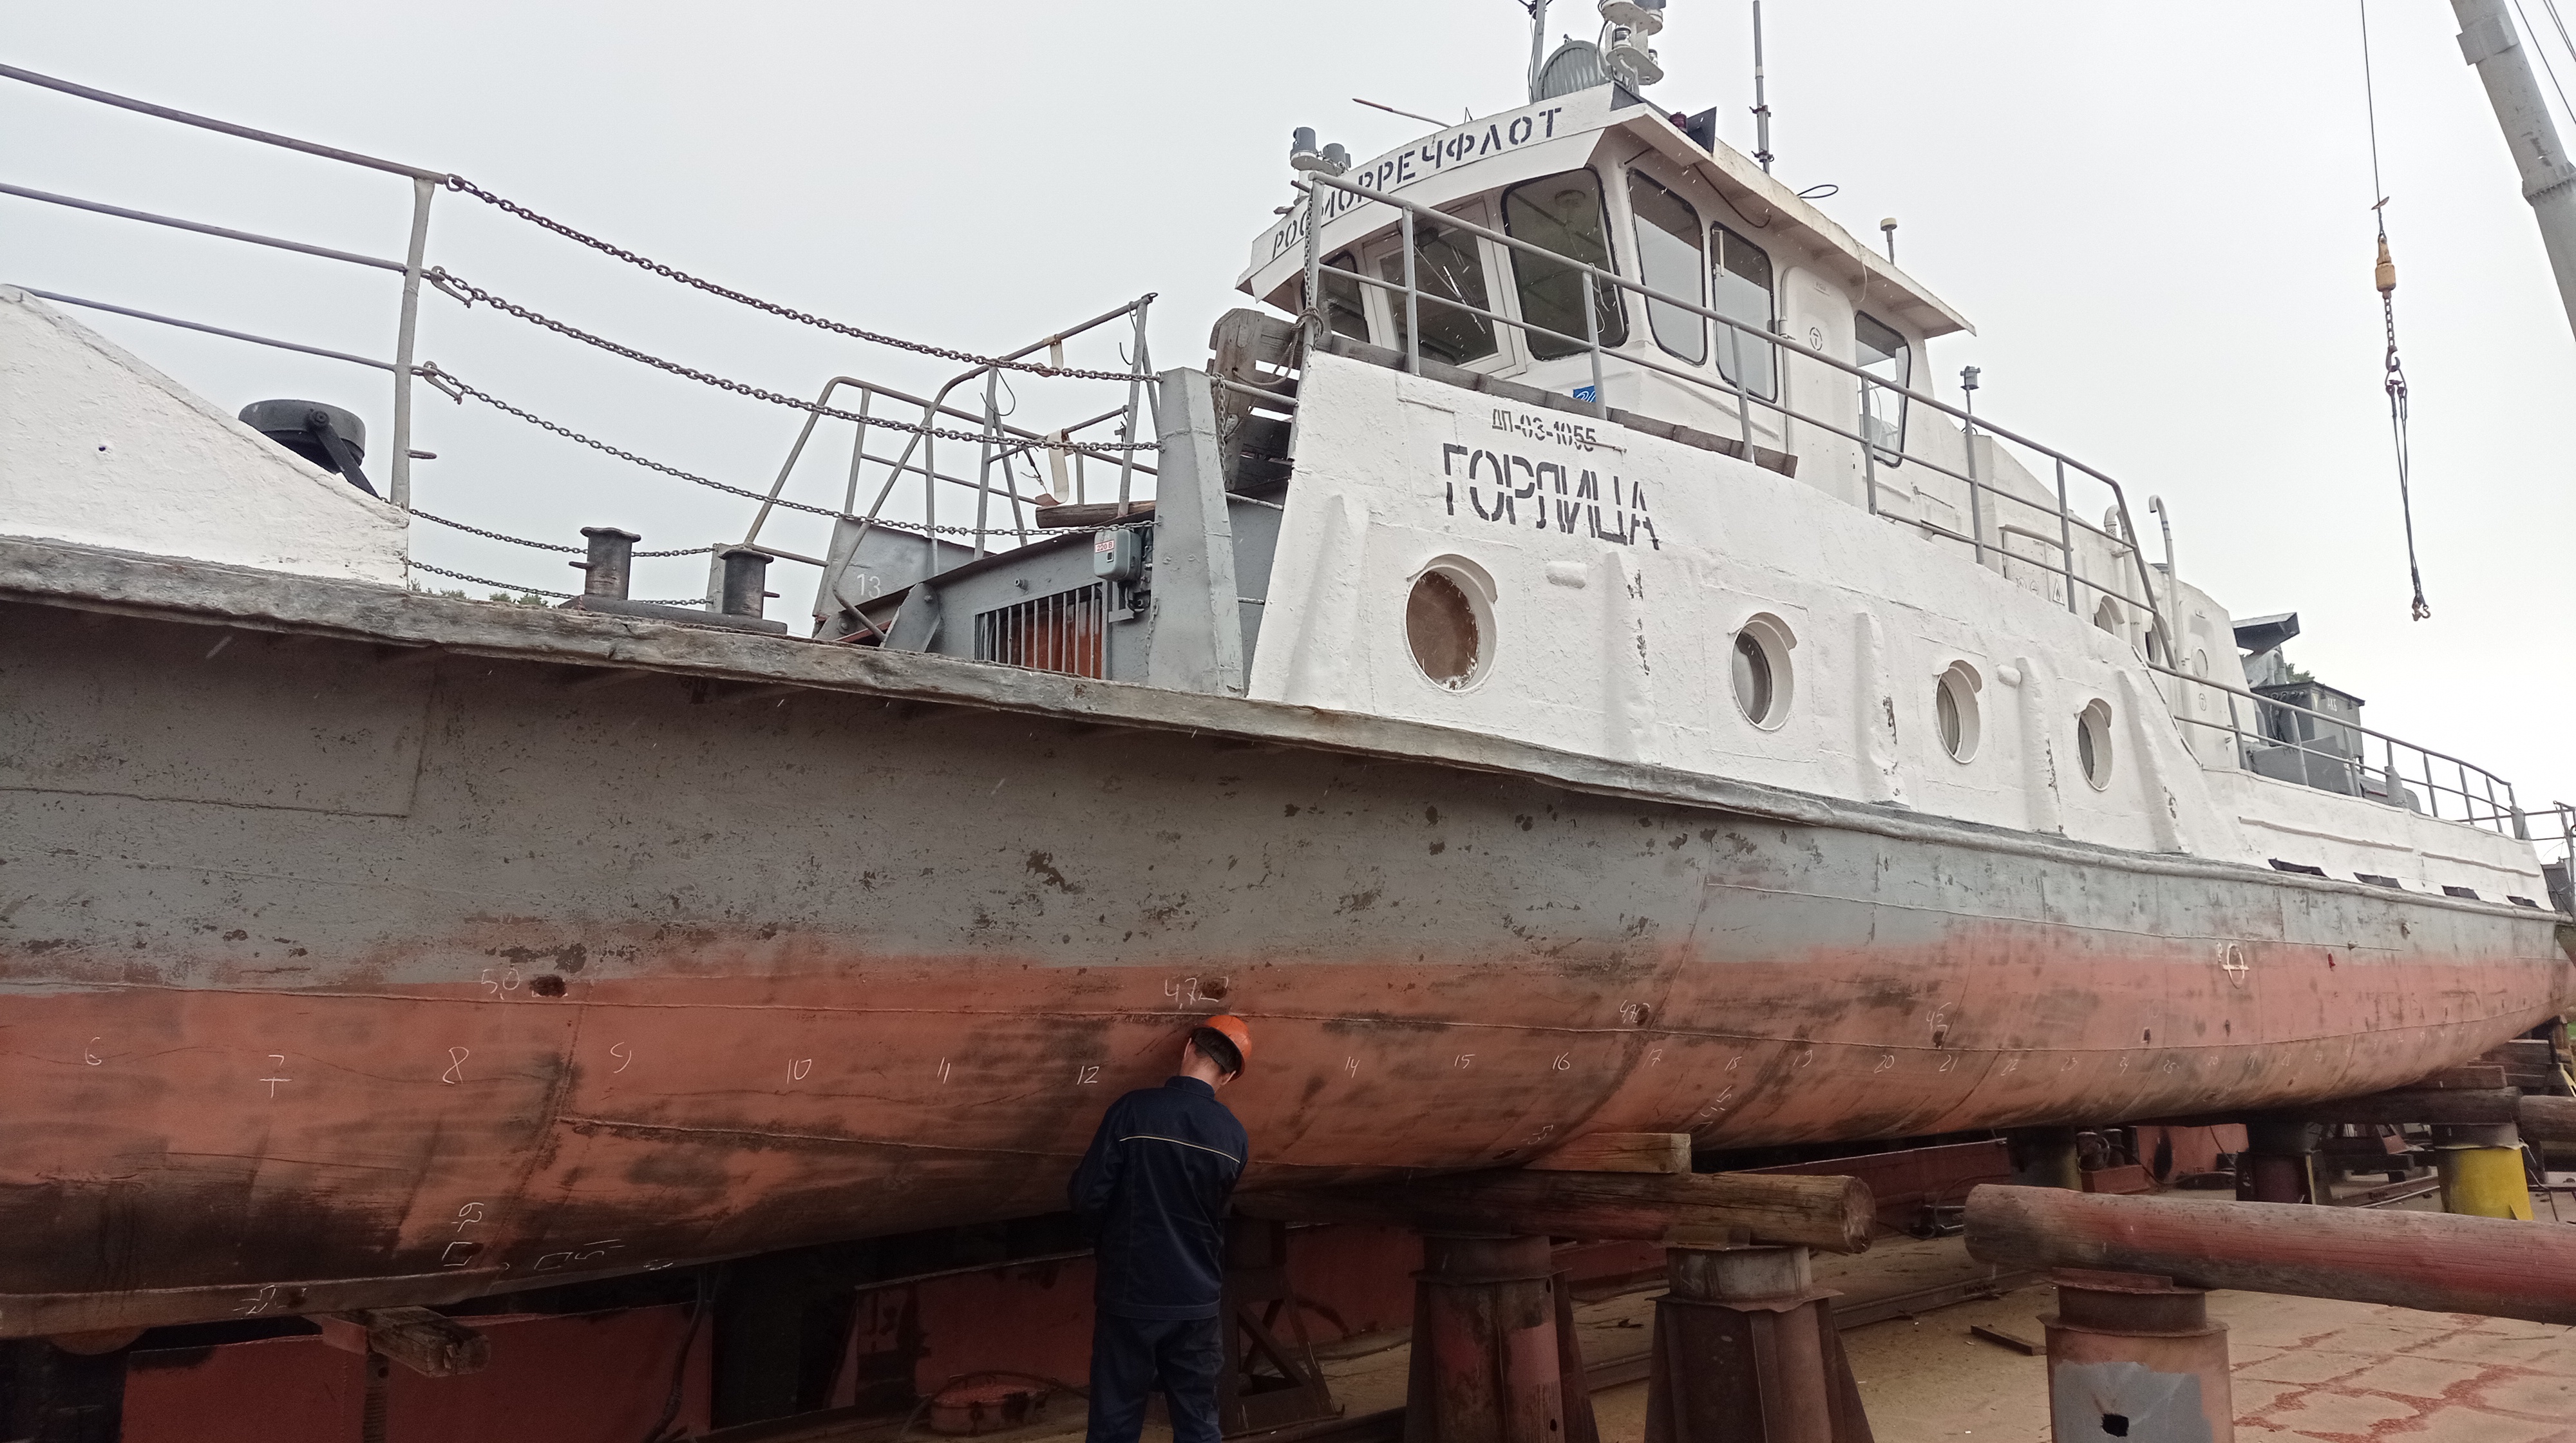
(401, 950)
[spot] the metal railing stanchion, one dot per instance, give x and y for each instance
(1135, 398)
(1976, 493)
(1313, 320)
(423, 190)
(1592, 340)
(984, 460)
(1412, 304)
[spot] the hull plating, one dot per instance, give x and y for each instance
(329, 977)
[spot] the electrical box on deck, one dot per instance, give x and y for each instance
(1118, 555)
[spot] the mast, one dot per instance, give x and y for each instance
(2489, 42)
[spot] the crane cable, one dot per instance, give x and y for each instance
(2394, 369)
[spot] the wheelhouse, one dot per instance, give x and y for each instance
(1607, 181)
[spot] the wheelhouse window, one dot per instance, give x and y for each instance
(1670, 261)
(1344, 310)
(1740, 289)
(1562, 213)
(1885, 355)
(1447, 266)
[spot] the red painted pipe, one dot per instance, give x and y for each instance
(2434, 1261)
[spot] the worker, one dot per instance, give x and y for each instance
(1153, 1188)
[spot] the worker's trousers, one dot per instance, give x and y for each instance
(1131, 1357)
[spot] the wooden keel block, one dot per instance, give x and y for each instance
(1658, 1152)
(1833, 1213)
(2430, 1261)
(425, 1342)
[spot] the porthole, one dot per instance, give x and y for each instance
(1752, 677)
(1449, 623)
(1761, 670)
(1954, 705)
(2093, 743)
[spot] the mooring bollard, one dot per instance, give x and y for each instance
(610, 562)
(2134, 1357)
(1746, 1351)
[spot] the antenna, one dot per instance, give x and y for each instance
(1538, 46)
(1761, 104)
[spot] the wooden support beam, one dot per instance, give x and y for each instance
(2468, 1107)
(2550, 1121)
(1833, 1213)
(2437, 1262)
(425, 1342)
(1663, 1152)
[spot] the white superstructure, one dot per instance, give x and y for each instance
(1900, 605)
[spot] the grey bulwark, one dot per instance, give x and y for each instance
(420, 625)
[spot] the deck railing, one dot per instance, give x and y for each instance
(425, 185)
(1069, 451)
(1000, 444)
(2452, 789)
(2257, 725)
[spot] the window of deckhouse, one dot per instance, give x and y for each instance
(1739, 277)
(1669, 261)
(1562, 213)
(1447, 265)
(1885, 355)
(1344, 310)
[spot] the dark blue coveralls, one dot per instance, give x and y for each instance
(1154, 1188)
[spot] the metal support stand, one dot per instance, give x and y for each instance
(2047, 1157)
(2279, 1163)
(1490, 1364)
(1270, 1378)
(371, 1412)
(2135, 1357)
(2481, 1171)
(50, 1394)
(1746, 1351)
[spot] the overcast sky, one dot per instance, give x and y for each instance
(2157, 216)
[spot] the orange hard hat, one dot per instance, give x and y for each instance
(1233, 1030)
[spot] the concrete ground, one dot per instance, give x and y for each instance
(2305, 1370)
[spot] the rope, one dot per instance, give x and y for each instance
(2536, 48)
(2551, 6)
(462, 185)
(2393, 369)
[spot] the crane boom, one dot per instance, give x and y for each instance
(2489, 42)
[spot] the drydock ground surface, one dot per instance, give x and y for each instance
(2305, 1370)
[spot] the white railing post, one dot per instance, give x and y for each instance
(398, 473)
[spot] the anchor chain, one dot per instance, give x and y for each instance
(463, 186)
(458, 389)
(468, 293)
